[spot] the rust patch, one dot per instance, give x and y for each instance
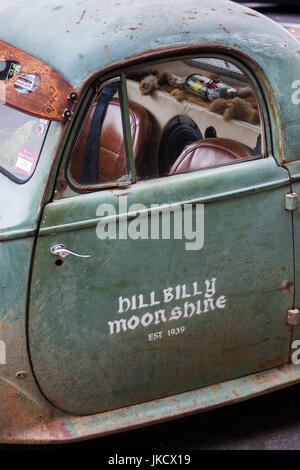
(271, 362)
(286, 285)
(50, 99)
(251, 14)
(224, 29)
(23, 421)
(263, 379)
(82, 16)
(60, 188)
(61, 185)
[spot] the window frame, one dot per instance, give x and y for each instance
(98, 87)
(120, 73)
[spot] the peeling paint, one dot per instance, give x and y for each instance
(251, 14)
(286, 286)
(82, 16)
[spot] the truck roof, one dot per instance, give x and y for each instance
(80, 37)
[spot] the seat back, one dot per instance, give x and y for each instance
(208, 153)
(112, 156)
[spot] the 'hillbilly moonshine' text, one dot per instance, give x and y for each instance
(152, 309)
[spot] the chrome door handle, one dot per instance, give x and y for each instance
(60, 250)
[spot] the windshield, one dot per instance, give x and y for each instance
(21, 140)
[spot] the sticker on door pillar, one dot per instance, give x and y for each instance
(25, 160)
(167, 307)
(27, 84)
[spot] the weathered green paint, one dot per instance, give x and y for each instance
(15, 259)
(83, 368)
(20, 209)
(77, 367)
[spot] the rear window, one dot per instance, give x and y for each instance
(21, 140)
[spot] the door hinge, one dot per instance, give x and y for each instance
(293, 317)
(291, 201)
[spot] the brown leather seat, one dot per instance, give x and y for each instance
(112, 161)
(208, 153)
